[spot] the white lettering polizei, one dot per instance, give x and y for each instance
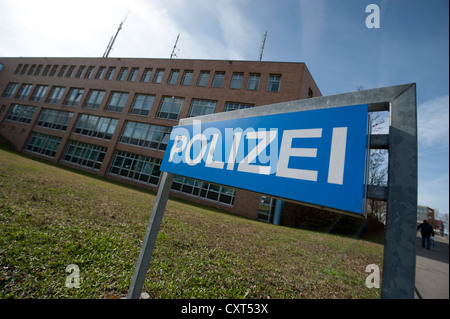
(195, 161)
(286, 151)
(266, 138)
(337, 156)
(262, 140)
(209, 158)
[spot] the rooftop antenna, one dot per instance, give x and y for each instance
(262, 46)
(113, 38)
(174, 47)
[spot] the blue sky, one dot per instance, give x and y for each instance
(331, 37)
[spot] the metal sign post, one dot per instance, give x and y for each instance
(137, 282)
(400, 194)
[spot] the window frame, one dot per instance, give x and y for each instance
(237, 77)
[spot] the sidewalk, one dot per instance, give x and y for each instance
(432, 269)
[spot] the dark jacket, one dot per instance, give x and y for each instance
(426, 229)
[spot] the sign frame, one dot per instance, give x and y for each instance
(400, 101)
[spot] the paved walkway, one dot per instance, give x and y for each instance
(432, 280)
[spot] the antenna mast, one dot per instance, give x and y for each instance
(262, 46)
(174, 47)
(113, 38)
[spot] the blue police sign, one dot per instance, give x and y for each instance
(316, 157)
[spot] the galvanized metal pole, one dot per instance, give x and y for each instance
(140, 272)
(399, 266)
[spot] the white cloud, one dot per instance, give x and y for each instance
(433, 137)
(209, 29)
(433, 192)
(148, 31)
(241, 37)
(433, 118)
(58, 28)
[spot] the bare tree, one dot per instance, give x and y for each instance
(378, 172)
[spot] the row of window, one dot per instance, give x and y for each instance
(128, 165)
(131, 74)
(170, 106)
(134, 133)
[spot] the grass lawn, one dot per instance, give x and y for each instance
(51, 217)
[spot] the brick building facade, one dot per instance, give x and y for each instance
(112, 117)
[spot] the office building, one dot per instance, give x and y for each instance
(113, 116)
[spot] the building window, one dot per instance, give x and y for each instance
(100, 73)
(170, 107)
(110, 73)
(218, 79)
(187, 76)
(39, 93)
(55, 120)
(30, 72)
(236, 80)
(70, 72)
(142, 104)
(274, 83)
(38, 69)
(146, 135)
(122, 74)
(89, 72)
(43, 144)
(231, 106)
(94, 99)
(80, 72)
(83, 154)
(21, 113)
(61, 72)
(117, 102)
(158, 76)
(17, 71)
(24, 91)
(55, 94)
(205, 190)
(173, 77)
(253, 82)
(202, 107)
(133, 74)
(310, 93)
(53, 71)
(136, 167)
(265, 209)
(203, 78)
(46, 70)
(25, 67)
(146, 75)
(74, 97)
(96, 126)
(10, 89)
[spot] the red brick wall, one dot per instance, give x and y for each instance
(295, 84)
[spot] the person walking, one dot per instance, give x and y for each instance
(426, 231)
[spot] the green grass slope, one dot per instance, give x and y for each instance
(52, 217)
